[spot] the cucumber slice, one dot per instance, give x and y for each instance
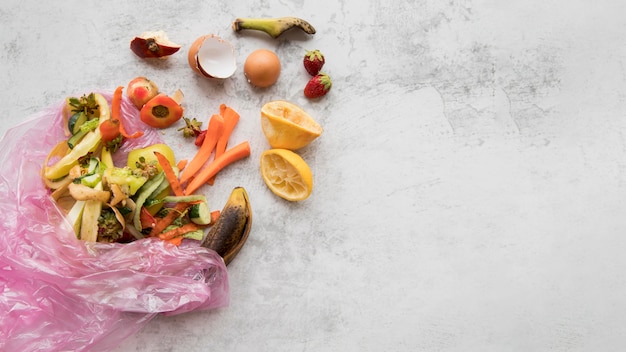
(91, 180)
(200, 213)
(142, 195)
(93, 175)
(75, 121)
(94, 165)
(195, 235)
(76, 138)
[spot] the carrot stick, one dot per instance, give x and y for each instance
(215, 214)
(181, 164)
(116, 103)
(116, 113)
(169, 174)
(179, 231)
(176, 240)
(231, 155)
(215, 128)
(231, 118)
(165, 221)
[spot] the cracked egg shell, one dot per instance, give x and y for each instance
(212, 57)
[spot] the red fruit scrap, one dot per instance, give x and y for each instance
(161, 111)
(140, 90)
(313, 61)
(153, 44)
(200, 138)
(318, 86)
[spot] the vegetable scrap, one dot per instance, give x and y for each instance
(162, 111)
(215, 129)
(146, 197)
(153, 44)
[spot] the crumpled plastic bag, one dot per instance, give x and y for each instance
(61, 294)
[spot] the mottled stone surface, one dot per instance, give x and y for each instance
(469, 184)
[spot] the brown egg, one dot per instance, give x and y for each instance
(262, 68)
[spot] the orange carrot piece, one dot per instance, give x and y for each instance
(215, 214)
(176, 240)
(165, 221)
(231, 155)
(231, 118)
(116, 113)
(116, 103)
(181, 164)
(214, 130)
(169, 174)
(178, 231)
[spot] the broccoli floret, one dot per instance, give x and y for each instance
(109, 228)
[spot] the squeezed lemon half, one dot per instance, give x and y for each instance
(286, 174)
(287, 126)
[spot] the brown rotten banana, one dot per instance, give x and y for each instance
(230, 232)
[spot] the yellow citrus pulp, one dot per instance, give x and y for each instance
(287, 126)
(286, 174)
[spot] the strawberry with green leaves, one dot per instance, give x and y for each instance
(313, 61)
(318, 86)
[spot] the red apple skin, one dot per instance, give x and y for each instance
(140, 90)
(148, 47)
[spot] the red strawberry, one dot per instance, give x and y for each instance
(313, 62)
(318, 86)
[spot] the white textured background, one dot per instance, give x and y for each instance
(469, 185)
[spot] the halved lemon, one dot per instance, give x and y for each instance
(287, 126)
(286, 174)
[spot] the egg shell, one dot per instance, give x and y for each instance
(212, 57)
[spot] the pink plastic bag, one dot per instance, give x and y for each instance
(61, 294)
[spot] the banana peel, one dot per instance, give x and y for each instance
(231, 229)
(272, 26)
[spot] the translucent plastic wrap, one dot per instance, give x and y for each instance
(61, 294)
